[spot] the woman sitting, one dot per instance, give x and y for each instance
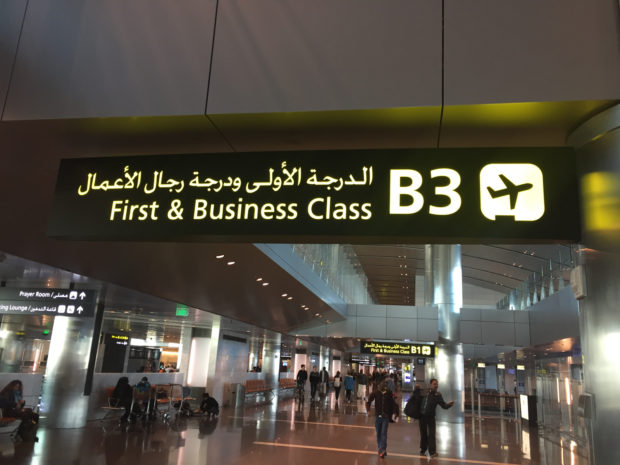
(13, 405)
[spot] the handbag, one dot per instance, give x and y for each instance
(412, 408)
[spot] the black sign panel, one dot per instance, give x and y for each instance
(421, 195)
(46, 301)
(398, 348)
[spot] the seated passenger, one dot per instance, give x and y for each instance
(209, 405)
(143, 395)
(13, 405)
(123, 396)
(143, 386)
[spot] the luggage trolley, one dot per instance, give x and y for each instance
(181, 397)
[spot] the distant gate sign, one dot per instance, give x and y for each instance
(47, 301)
(398, 348)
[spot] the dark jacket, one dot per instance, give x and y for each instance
(429, 403)
(315, 377)
(385, 404)
(302, 376)
(123, 392)
(324, 376)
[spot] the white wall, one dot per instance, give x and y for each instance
(231, 367)
(198, 366)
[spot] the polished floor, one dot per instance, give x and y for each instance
(285, 432)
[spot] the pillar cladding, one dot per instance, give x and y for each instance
(63, 401)
(597, 143)
(443, 270)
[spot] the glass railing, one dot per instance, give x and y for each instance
(338, 266)
(540, 284)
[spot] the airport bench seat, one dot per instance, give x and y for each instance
(287, 383)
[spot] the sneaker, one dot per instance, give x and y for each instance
(435, 454)
(382, 454)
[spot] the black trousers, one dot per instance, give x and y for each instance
(337, 389)
(427, 434)
(313, 390)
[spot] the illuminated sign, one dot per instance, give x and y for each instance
(397, 348)
(182, 310)
(118, 339)
(412, 195)
(47, 301)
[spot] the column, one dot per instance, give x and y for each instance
(446, 276)
(597, 143)
(62, 400)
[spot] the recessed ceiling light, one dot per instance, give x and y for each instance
(259, 279)
(230, 263)
(219, 256)
(290, 298)
(265, 284)
(284, 295)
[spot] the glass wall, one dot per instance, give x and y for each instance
(338, 266)
(559, 385)
(24, 343)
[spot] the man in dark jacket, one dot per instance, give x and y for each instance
(385, 407)
(427, 418)
(314, 382)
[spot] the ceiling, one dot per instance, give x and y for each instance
(391, 269)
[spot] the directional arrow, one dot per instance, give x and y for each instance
(80, 309)
(82, 295)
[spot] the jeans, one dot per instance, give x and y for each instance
(381, 426)
(337, 390)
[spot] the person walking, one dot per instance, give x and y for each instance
(324, 382)
(385, 407)
(314, 382)
(302, 376)
(362, 381)
(349, 385)
(337, 385)
(428, 405)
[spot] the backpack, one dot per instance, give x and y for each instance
(412, 409)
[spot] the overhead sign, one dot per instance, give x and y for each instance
(421, 195)
(46, 301)
(397, 348)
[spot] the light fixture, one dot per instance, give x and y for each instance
(290, 298)
(265, 284)
(230, 263)
(219, 256)
(284, 295)
(258, 280)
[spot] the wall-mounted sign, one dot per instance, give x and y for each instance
(397, 348)
(421, 195)
(46, 301)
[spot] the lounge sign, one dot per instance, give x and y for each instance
(397, 348)
(434, 195)
(48, 301)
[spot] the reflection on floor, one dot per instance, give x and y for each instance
(286, 432)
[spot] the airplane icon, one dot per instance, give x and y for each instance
(511, 189)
